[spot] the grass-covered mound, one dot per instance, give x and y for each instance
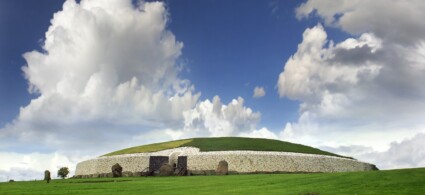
(226, 144)
(403, 181)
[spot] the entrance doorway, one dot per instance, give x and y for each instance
(182, 165)
(155, 162)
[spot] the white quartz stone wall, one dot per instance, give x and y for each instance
(239, 161)
(104, 165)
(253, 161)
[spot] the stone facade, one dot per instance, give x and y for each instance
(103, 165)
(238, 161)
(130, 162)
(258, 162)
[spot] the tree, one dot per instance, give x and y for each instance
(63, 172)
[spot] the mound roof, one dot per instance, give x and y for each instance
(226, 144)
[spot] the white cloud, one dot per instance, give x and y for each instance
(106, 66)
(316, 75)
(261, 133)
(403, 154)
(396, 21)
(215, 119)
(259, 92)
(274, 6)
(365, 90)
(119, 63)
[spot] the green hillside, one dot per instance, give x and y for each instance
(226, 144)
(403, 181)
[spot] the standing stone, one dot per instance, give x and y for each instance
(222, 168)
(47, 176)
(166, 170)
(116, 170)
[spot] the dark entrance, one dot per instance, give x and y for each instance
(182, 165)
(155, 162)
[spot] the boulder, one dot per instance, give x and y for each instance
(47, 176)
(126, 174)
(166, 170)
(374, 168)
(116, 170)
(222, 168)
(77, 176)
(137, 174)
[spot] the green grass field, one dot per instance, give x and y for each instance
(403, 181)
(225, 144)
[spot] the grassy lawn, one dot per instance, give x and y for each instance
(403, 181)
(227, 143)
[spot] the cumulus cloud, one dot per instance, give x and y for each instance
(316, 74)
(119, 63)
(213, 118)
(366, 89)
(397, 21)
(259, 92)
(403, 154)
(105, 66)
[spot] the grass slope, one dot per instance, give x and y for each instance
(225, 144)
(403, 181)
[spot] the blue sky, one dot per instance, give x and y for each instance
(342, 76)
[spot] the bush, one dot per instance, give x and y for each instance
(63, 172)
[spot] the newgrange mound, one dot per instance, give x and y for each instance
(203, 155)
